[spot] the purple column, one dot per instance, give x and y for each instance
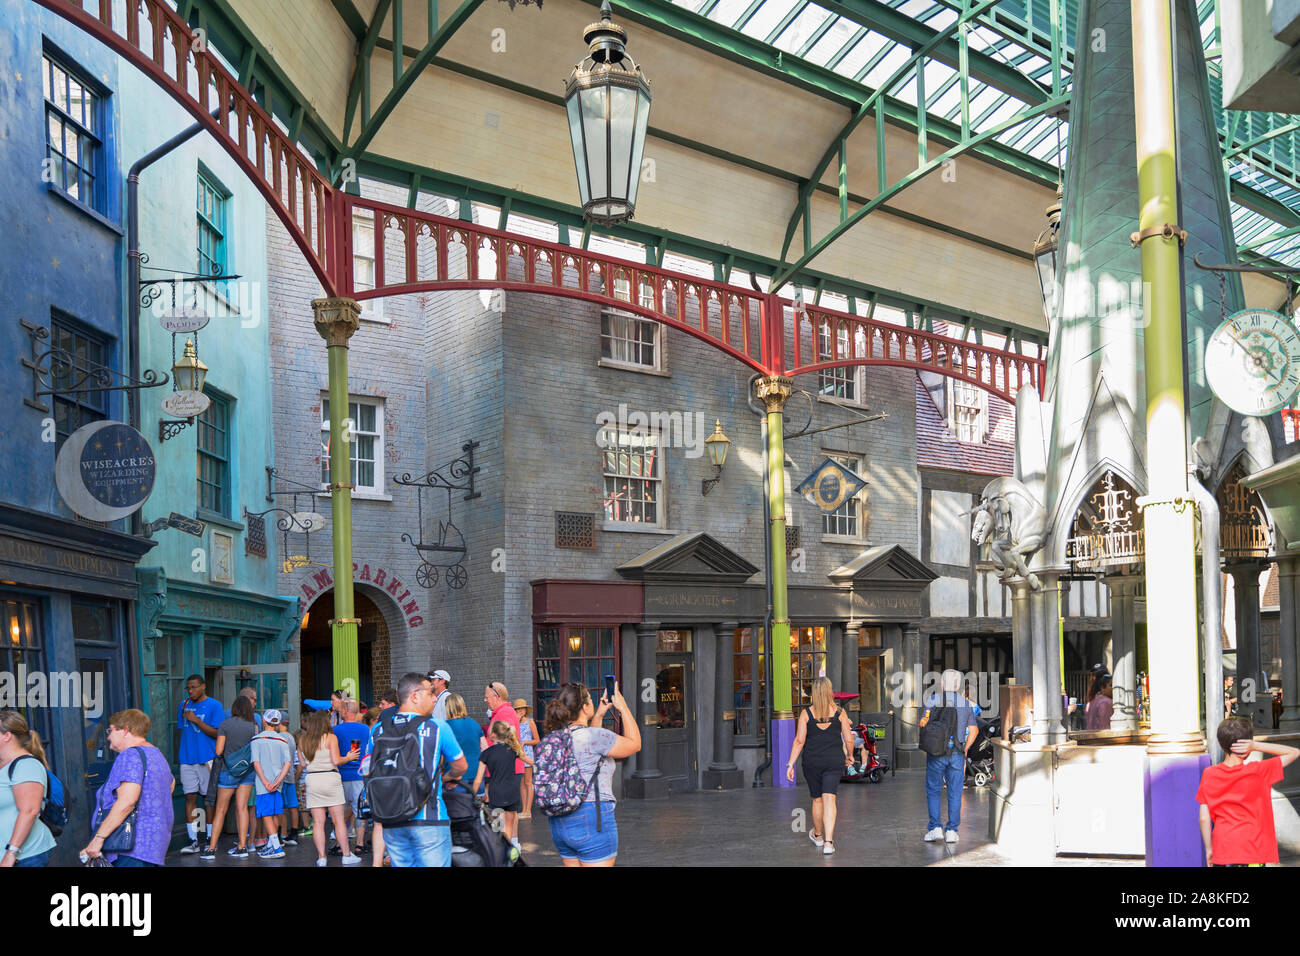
(782, 738)
(1173, 830)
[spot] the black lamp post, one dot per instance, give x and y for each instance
(608, 101)
(1045, 258)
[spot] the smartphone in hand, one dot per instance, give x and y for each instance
(609, 686)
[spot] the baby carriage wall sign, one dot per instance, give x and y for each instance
(447, 551)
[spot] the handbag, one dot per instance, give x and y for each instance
(240, 763)
(122, 840)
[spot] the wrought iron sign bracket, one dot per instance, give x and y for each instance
(456, 476)
(171, 427)
(150, 290)
(56, 365)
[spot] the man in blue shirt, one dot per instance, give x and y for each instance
(198, 718)
(950, 769)
(424, 840)
(352, 732)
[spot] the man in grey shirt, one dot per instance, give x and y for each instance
(440, 680)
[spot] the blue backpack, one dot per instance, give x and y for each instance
(54, 809)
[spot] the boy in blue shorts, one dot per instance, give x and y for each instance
(272, 760)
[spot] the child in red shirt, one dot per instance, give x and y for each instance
(1237, 798)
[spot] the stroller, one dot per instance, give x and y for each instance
(476, 838)
(982, 756)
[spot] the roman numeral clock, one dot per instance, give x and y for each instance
(1253, 362)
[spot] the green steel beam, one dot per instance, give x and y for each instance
(351, 16)
(569, 217)
(437, 40)
(361, 71)
(911, 33)
(821, 246)
(846, 49)
(816, 36)
(791, 15)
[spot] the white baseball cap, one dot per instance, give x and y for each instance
(441, 675)
(272, 716)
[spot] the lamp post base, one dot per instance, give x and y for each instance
(1173, 830)
(782, 732)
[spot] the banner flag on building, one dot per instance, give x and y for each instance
(830, 485)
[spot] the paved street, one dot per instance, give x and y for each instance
(880, 825)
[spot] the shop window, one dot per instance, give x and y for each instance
(968, 412)
(633, 475)
(74, 117)
(79, 354)
(214, 456)
(749, 682)
(211, 214)
(849, 519)
(92, 623)
(580, 655)
(363, 262)
(847, 383)
(366, 451)
(981, 653)
(807, 663)
(24, 646)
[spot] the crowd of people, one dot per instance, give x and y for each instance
(339, 767)
(333, 767)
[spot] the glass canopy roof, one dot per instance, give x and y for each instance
(1017, 33)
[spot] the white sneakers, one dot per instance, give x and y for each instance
(351, 860)
(817, 841)
(934, 835)
(321, 861)
(950, 836)
(828, 849)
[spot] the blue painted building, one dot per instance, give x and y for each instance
(67, 584)
(209, 603)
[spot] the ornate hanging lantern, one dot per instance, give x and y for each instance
(608, 102)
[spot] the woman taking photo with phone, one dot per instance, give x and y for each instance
(321, 760)
(825, 731)
(575, 834)
(23, 786)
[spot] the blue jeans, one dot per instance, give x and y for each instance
(131, 861)
(40, 859)
(576, 837)
(418, 846)
(938, 771)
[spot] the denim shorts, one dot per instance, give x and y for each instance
(576, 837)
(227, 782)
(40, 859)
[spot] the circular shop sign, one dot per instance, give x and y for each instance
(105, 471)
(186, 403)
(184, 320)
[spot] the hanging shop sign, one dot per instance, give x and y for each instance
(1106, 532)
(183, 321)
(105, 471)
(306, 522)
(830, 485)
(186, 404)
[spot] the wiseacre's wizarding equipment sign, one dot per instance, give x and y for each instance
(830, 485)
(105, 471)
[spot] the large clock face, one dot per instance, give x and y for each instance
(1253, 362)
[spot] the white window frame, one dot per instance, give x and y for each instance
(360, 491)
(645, 298)
(858, 502)
(977, 432)
(607, 438)
(855, 375)
(363, 223)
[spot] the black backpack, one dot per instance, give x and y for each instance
(398, 787)
(939, 730)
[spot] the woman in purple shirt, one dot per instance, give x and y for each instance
(140, 775)
(1101, 707)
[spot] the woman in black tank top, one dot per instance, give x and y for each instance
(825, 739)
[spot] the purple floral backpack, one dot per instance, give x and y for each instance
(559, 784)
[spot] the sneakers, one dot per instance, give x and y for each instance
(932, 836)
(321, 861)
(828, 849)
(351, 860)
(818, 841)
(304, 831)
(238, 852)
(192, 848)
(270, 853)
(950, 836)
(291, 839)
(207, 853)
